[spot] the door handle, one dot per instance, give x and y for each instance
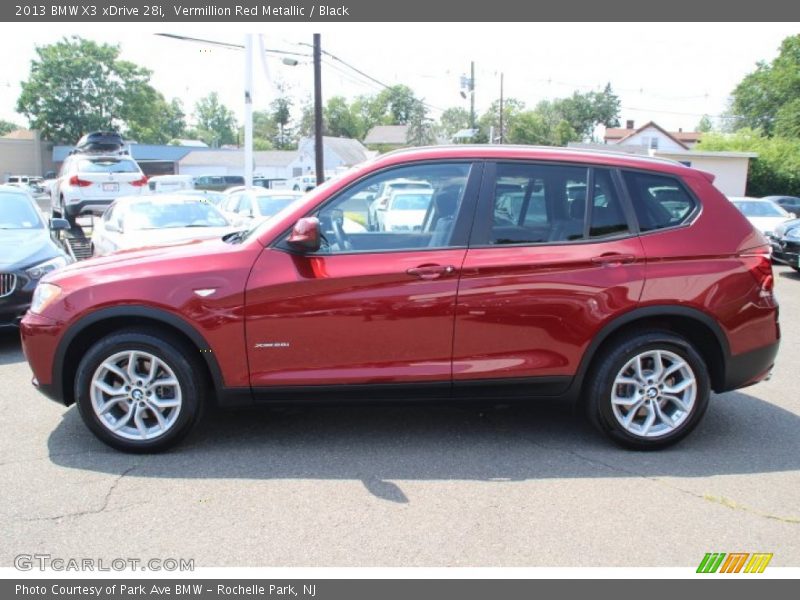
(613, 260)
(431, 271)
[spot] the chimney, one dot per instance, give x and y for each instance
(629, 124)
(680, 129)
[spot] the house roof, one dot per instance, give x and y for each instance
(235, 158)
(617, 134)
(352, 152)
(388, 134)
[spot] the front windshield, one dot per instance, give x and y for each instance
(168, 215)
(17, 212)
(759, 209)
(272, 205)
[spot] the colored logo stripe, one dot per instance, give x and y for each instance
(758, 562)
(711, 562)
(734, 562)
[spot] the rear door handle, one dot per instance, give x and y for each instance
(613, 260)
(431, 271)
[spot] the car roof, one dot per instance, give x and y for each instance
(545, 153)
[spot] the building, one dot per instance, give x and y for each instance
(651, 136)
(729, 168)
(22, 152)
(271, 164)
(387, 137)
(338, 154)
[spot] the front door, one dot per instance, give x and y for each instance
(370, 307)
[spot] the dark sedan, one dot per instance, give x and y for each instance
(27, 252)
(785, 242)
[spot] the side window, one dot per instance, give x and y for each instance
(232, 203)
(659, 201)
(245, 205)
(418, 209)
(607, 215)
(538, 204)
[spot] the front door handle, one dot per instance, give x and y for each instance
(614, 260)
(431, 271)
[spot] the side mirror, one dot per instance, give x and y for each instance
(59, 224)
(306, 235)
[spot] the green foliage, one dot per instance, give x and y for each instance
(216, 124)
(767, 98)
(77, 85)
(705, 124)
(343, 120)
(777, 168)
(7, 127)
(452, 121)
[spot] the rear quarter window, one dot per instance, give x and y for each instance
(659, 201)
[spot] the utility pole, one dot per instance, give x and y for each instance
(472, 95)
(248, 109)
(318, 150)
(502, 137)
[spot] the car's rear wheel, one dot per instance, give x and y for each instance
(649, 390)
(139, 391)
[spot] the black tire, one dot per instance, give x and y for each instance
(600, 384)
(179, 359)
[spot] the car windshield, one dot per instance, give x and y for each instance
(759, 209)
(18, 212)
(411, 202)
(107, 165)
(272, 205)
(168, 215)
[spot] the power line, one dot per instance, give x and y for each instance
(228, 45)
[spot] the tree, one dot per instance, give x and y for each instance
(281, 113)
(421, 128)
(452, 121)
(7, 127)
(705, 125)
(399, 104)
(216, 124)
(342, 120)
(764, 98)
(150, 119)
(528, 127)
(77, 85)
(777, 168)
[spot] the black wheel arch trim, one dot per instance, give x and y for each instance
(130, 310)
(645, 312)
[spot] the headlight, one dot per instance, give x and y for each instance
(46, 267)
(43, 296)
(792, 234)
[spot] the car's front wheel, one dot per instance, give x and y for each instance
(139, 391)
(649, 390)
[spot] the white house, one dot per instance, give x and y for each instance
(338, 154)
(271, 164)
(729, 168)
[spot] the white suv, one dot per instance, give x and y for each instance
(90, 182)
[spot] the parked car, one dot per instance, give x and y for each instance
(763, 214)
(599, 300)
(788, 203)
(785, 240)
(380, 199)
(214, 198)
(217, 183)
(145, 221)
(302, 183)
(405, 210)
(89, 183)
(164, 184)
(27, 251)
(247, 206)
(275, 183)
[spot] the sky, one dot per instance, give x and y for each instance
(671, 73)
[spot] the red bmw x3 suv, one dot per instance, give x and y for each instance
(627, 284)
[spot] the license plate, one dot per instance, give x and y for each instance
(110, 187)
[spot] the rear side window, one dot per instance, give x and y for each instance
(607, 216)
(659, 201)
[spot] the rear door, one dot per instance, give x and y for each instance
(369, 308)
(546, 268)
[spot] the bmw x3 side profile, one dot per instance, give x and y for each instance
(628, 285)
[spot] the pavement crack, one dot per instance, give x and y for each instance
(95, 511)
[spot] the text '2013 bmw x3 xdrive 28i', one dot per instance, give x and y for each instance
(628, 284)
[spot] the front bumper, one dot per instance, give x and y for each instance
(14, 305)
(40, 337)
(786, 252)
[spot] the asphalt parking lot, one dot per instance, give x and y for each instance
(409, 486)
